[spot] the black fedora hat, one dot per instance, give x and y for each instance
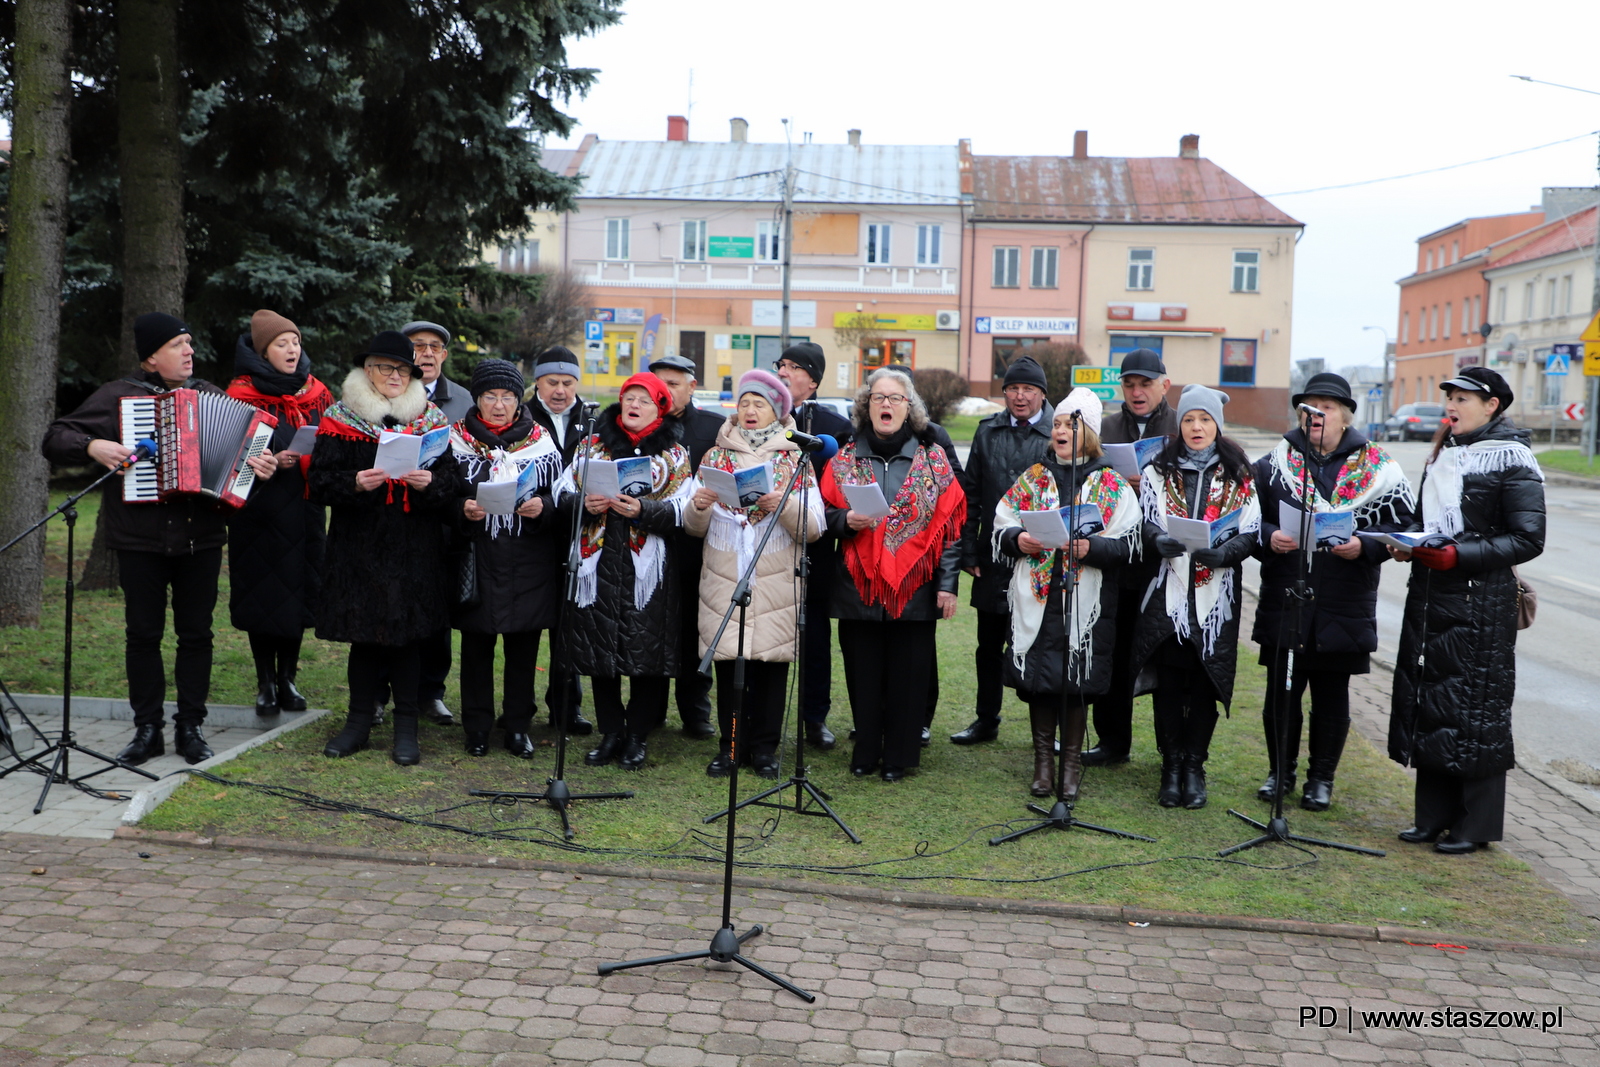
(1327, 384)
(391, 344)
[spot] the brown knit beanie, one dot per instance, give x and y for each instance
(265, 326)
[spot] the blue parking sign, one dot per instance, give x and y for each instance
(594, 331)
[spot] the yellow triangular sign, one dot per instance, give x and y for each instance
(1591, 332)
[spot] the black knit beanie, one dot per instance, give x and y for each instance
(154, 329)
(495, 374)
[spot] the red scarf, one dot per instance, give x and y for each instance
(295, 409)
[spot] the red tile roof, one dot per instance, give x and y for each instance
(1112, 189)
(1563, 235)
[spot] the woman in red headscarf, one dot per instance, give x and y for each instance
(627, 600)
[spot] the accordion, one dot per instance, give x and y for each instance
(204, 440)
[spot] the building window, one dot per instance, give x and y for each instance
(1477, 314)
(1449, 313)
(1141, 268)
(1007, 349)
(1246, 273)
(1527, 301)
(1043, 275)
(1455, 251)
(769, 242)
(617, 239)
(1430, 259)
(1405, 327)
(1123, 343)
(1238, 362)
(520, 257)
(878, 243)
(1006, 263)
(877, 354)
(694, 240)
(1466, 317)
(929, 238)
(1566, 294)
(1500, 304)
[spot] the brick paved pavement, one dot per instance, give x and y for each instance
(211, 956)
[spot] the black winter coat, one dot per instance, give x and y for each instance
(1000, 453)
(1121, 428)
(179, 526)
(1456, 674)
(276, 545)
(1042, 676)
(1340, 625)
(822, 555)
(385, 579)
(611, 637)
(1154, 627)
(519, 565)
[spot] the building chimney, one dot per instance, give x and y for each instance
(677, 128)
(855, 138)
(1189, 146)
(739, 131)
(1080, 145)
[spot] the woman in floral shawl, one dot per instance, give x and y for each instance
(1188, 633)
(1343, 471)
(386, 588)
(627, 601)
(897, 574)
(1040, 613)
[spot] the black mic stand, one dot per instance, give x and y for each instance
(725, 944)
(556, 793)
(804, 790)
(66, 744)
(1060, 816)
(1276, 828)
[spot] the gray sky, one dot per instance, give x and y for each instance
(1286, 96)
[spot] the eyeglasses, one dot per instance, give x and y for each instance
(1021, 390)
(485, 398)
(787, 364)
(637, 401)
(889, 400)
(391, 370)
(427, 346)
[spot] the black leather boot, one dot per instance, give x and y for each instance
(980, 731)
(1169, 739)
(352, 738)
(190, 743)
(1192, 782)
(289, 698)
(1198, 726)
(147, 743)
(608, 749)
(633, 753)
(1043, 723)
(1327, 746)
(266, 686)
(1280, 779)
(406, 752)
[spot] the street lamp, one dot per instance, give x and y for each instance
(1388, 370)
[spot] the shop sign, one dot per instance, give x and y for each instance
(885, 321)
(998, 324)
(743, 341)
(730, 248)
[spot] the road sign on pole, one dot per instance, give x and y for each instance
(594, 331)
(1555, 364)
(1591, 347)
(1574, 412)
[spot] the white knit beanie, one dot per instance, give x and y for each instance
(1086, 404)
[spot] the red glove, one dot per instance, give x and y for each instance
(1438, 559)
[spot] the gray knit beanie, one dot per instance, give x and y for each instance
(1202, 398)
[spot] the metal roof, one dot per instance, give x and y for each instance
(555, 160)
(1567, 234)
(1114, 189)
(728, 170)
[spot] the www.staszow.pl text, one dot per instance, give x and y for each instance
(1430, 1019)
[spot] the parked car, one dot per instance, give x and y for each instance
(839, 405)
(1414, 422)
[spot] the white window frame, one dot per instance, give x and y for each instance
(1007, 267)
(1246, 272)
(1405, 327)
(1429, 267)
(1500, 302)
(618, 239)
(1044, 267)
(693, 246)
(1527, 301)
(1448, 317)
(880, 243)
(1566, 294)
(1141, 269)
(930, 242)
(1455, 251)
(769, 241)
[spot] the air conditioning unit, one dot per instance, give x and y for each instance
(947, 320)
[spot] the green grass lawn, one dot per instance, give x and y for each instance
(928, 833)
(962, 427)
(1568, 460)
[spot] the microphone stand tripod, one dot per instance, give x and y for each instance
(62, 749)
(804, 790)
(1059, 816)
(556, 793)
(725, 944)
(1276, 828)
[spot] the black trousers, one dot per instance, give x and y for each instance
(691, 688)
(765, 687)
(646, 708)
(279, 656)
(816, 656)
(477, 680)
(1184, 703)
(435, 653)
(887, 670)
(145, 578)
(1113, 710)
(372, 668)
(1472, 809)
(988, 661)
(1330, 716)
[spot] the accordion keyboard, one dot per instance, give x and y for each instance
(140, 484)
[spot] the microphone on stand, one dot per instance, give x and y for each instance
(142, 451)
(1307, 409)
(823, 443)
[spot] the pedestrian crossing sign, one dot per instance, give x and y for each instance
(1555, 364)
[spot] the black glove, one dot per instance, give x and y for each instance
(1167, 546)
(1210, 558)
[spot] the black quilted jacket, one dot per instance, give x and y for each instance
(1456, 673)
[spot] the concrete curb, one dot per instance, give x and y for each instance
(867, 894)
(1570, 481)
(146, 800)
(218, 716)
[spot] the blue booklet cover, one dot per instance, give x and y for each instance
(634, 476)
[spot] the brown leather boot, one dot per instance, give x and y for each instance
(1072, 751)
(1044, 750)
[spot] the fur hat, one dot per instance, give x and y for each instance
(769, 387)
(490, 374)
(265, 328)
(1087, 406)
(1202, 398)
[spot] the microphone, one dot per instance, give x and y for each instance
(1307, 409)
(591, 408)
(821, 442)
(142, 451)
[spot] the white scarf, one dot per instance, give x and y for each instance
(1441, 481)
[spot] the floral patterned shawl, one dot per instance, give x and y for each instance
(1370, 483)
(1161, 496)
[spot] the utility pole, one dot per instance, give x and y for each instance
(788, 240)
(1592, 416)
